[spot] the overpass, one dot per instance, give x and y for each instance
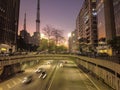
(107, 71)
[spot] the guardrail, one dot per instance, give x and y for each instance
(19, 59)
(104, 63)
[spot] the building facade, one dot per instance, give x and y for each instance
(36, 36)
(87, 24)
(116, 4)
(106, 25)
(24, 33)
(9, 16)
(106, 21)
(73, 43)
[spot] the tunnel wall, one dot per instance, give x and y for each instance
(108, 76)
(107, 71)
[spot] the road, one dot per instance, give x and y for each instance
(61, 75)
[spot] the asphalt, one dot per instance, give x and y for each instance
(70, 77)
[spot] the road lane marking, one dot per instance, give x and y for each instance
(14, 82)
(8, 85)
(53, 78)
(19, 79)
(1, 88)
(90, 80)
(83, 80)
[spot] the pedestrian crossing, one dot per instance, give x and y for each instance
(10, 84)
(1, 88)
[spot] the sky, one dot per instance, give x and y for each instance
(60, 14)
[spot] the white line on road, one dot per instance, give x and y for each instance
(8, 85)
(19, 79)
(14, 82)
(83, 80)
(1, 88)
(90, 80)
(52, 79)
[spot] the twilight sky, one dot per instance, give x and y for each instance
(61, 14)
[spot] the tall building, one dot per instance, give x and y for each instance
(9, 15)
(24, 34)
(116, 4)
(106, 23)
(38, 17)
(87, 24)
(73, 46)
(36, 36)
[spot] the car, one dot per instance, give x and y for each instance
(38, 70)
(43, 75)
(27, 79)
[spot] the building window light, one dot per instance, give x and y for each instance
(93, 9)
(94, 13)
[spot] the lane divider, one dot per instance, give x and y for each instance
(50, 78)
(89, 79)
(55, 71)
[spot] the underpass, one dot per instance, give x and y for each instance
(68, 69)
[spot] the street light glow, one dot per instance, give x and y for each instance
(43, 36)
(69, 34)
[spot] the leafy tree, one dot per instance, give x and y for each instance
(52, 46)
(44, 45)
(48, 33)
(115, 44)
(61, 49)
(54, 36)
(58, 37)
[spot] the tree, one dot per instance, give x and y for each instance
(44, 45)
(53, 35)
(61, 49)
(58, 37)
(115, 44)
(48, 33)
(52, 46)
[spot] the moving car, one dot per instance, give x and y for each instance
(43, 75)
(38, 70)
(27, 79)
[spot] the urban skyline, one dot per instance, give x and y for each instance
(59, 14)
(90, 62)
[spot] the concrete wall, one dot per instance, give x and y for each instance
(10, 70)
(106, 75)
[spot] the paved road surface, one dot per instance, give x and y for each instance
(69, 77)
